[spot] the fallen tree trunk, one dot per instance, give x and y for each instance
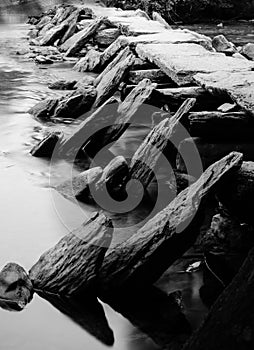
(72, 266)
(147, 254)
(144, 161)
(229, 324)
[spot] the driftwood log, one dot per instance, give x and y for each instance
(72, 266)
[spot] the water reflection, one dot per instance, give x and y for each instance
(155, 313)
(87, 312)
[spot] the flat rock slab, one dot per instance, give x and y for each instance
(238, 85)
(182, 61)
(177, 36)
(137, 25)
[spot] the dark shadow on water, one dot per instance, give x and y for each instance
(88, 313)
(154, 313)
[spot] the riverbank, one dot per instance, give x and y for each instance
(190, 11)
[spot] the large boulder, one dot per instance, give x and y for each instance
(248, 51)
(221, 44)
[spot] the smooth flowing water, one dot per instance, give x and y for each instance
(34, 217)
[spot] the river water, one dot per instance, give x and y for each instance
(30, 222)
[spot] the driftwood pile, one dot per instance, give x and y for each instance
(142, 61)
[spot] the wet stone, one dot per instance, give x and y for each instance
(16, 289)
